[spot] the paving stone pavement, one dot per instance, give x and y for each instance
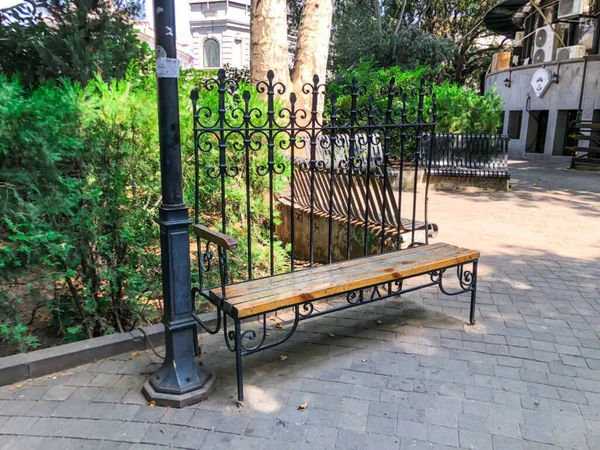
(527, 376)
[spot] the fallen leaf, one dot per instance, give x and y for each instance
(283, 358)
(331, 335)
(151, 404)
(364, 360)
(267, 334)
(278, 325)
(379, 322)
(274, 319)
(302, 406)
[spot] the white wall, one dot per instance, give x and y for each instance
(228, 23)
(562, 96)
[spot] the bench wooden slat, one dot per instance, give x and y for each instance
(275, 282)
(356, 278)
(270, 294)
(283, 286)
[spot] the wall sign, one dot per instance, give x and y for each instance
(541, 82)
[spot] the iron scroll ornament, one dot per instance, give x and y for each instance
(466, 280)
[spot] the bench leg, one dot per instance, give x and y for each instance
(474, 293)
(238, 361)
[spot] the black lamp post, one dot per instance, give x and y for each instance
(180, 381)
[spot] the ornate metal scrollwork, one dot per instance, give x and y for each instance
(230, 339)
(355, 297)
(195, 292)
(250, 335)
(395, 287)
(308, 309)
(466, 280)
(437, 275)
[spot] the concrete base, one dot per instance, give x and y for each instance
(321, 236)
(20, 367)
(445, 183)
(183, 400)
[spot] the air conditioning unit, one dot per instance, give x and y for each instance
(572, 52)
(519, 37)
(572, 8)
(545, 45)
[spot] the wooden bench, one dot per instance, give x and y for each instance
(351, 188)
(371, 200)
(267, 295)
(469, 155)
(362, 281)
(368, 150)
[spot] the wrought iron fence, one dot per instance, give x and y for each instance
(333, 166)
(469, 155)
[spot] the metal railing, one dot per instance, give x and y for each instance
(327, 160)
(469, 155)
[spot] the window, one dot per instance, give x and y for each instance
(211, 53)
(514, 124)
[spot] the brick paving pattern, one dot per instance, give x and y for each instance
(525, 377)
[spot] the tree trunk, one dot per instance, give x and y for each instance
(313, 48)
(269, 49)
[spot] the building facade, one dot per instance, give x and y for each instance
(551, 76)
(145, 33)
(220, 32)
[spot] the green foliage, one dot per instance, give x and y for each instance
(80, 185)
(51, 39)
(38, 141)
(462, 110)
(408, 33)
(80, 182)
(459, 109)
(461, 21)
(357, 36)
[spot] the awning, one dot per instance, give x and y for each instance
(501, 18)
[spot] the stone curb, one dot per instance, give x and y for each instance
(38, 363)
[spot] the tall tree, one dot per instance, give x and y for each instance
(74, 39)
(269, 40)
(358, 36)
(416, 32)
(313, 47)
(270, 47)
(462, 22)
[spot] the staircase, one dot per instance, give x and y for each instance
(585, 157)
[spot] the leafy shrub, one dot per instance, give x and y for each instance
(39, 150)
(43, 40)
(459, 109)
(80, 179)
(80, 186)
(358, 35)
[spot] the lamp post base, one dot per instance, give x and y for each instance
(180, 400)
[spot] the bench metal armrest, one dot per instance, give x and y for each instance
(224, 243)
(220, 239)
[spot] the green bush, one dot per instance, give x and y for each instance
(80, 186)
(43, 40)
(80, 178)
(459, 109)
